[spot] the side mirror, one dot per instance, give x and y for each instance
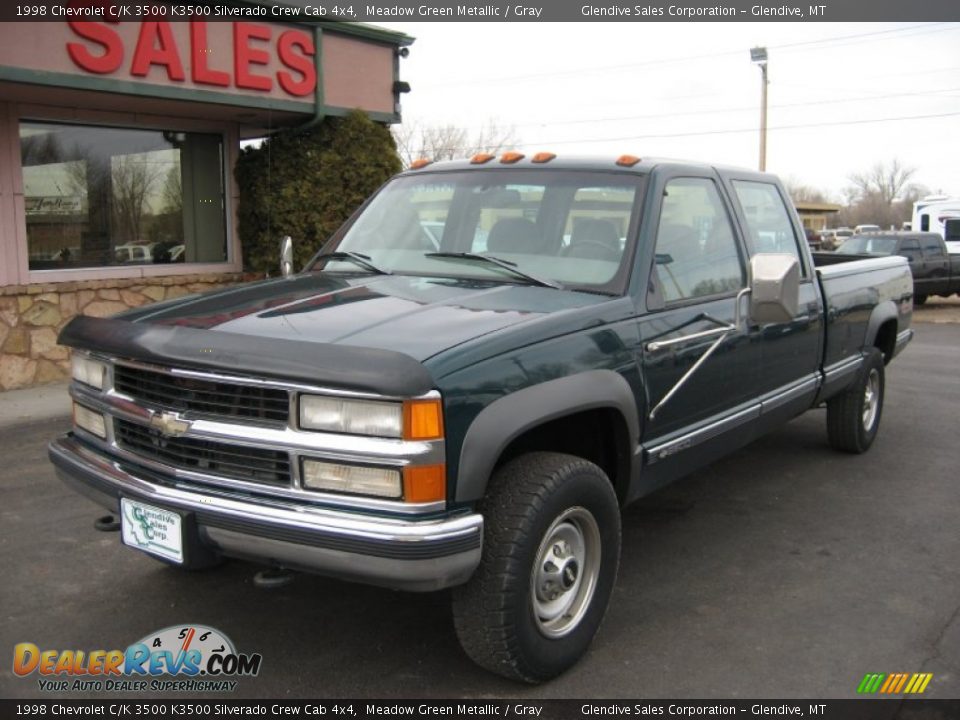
(286, 255)
(774, 288)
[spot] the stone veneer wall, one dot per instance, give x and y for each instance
(31, 316)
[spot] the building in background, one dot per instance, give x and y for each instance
(117, 148)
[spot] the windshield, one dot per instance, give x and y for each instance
(868, 244)
(566, 227)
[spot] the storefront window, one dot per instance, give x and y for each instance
(98, 196)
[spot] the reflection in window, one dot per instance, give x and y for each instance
(696, 253)
(97, 196)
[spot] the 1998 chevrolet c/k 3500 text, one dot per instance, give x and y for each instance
(481, 367)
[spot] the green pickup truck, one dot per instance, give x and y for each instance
(478, 371)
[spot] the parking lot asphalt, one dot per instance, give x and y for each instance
(785, 570)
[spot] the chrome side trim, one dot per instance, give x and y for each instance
(782, 397)
(844, 367)
(713, 428)
(661, 451)
(903, 338)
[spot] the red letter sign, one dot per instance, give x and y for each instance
(147, 52)
(112, 56)
(301, 62)
(244, 56)
(200, 56)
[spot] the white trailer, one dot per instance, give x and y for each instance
(939, 214)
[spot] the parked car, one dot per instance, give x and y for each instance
(133, 253)
(830, 239)
(813, 238)
(424, 418)
(864, 229)
(935, 271)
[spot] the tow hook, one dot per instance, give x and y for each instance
(273, 578)
(107, 523)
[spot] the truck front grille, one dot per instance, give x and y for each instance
(237, 462)
(203, 397)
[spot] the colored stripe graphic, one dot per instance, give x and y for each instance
(894, 683)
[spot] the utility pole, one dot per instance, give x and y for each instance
(759, 56)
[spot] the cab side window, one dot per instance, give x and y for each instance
(769, 226)
(910, 249)
(696, 251)
(931, 247)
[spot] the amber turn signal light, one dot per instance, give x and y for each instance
(424, 483)
(422, 420)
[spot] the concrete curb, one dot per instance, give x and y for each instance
(34, 404)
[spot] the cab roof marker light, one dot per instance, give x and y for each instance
(627, 160)
(421, 163)
(543, 157)
(508, 158)
(481, 158)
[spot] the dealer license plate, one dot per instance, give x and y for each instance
(152, 529)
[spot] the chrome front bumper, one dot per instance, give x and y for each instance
(393, 552)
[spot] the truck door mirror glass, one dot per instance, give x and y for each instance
(286, 256)
(774, 288)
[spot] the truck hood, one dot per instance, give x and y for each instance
(417, 316)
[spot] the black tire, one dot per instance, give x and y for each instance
(853, 417)
(919, 299)
(506, 625)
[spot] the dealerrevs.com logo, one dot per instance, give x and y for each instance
(181, 658)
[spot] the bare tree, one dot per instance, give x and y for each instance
(883, 181)
(882, 195)
(133, 179)
(446, 142)
(803, 193)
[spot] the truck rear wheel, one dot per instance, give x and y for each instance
(853, 417)
(550, 556)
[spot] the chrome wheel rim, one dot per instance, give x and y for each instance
(564, 576)
(871, 400)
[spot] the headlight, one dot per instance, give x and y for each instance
(355, 417)
(88, 371)
(354, 479)
(420, 419)
(89, 420)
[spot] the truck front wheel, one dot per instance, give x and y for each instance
(550, 556)
(853, 417)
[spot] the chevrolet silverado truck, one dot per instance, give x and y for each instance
(935, 271)
(473, 376)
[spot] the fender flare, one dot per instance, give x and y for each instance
(509, 417)
(882, 313)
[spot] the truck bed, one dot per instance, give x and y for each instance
(852, 285)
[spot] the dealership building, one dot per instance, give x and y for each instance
(117, 148)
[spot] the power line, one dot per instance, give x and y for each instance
(550, 143)
(923, 28)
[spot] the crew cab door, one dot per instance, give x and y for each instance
(936, 264)
(698, 366)
(790, 352)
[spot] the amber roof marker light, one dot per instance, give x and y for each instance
(421, 163)
(481, 158)
(543, 157)
(508, 158)
(627, 160)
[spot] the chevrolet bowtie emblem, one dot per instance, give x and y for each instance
(169, 424)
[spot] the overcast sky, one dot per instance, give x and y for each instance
(689, 90)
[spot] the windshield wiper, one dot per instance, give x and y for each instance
(354, 257)
(505, 264)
